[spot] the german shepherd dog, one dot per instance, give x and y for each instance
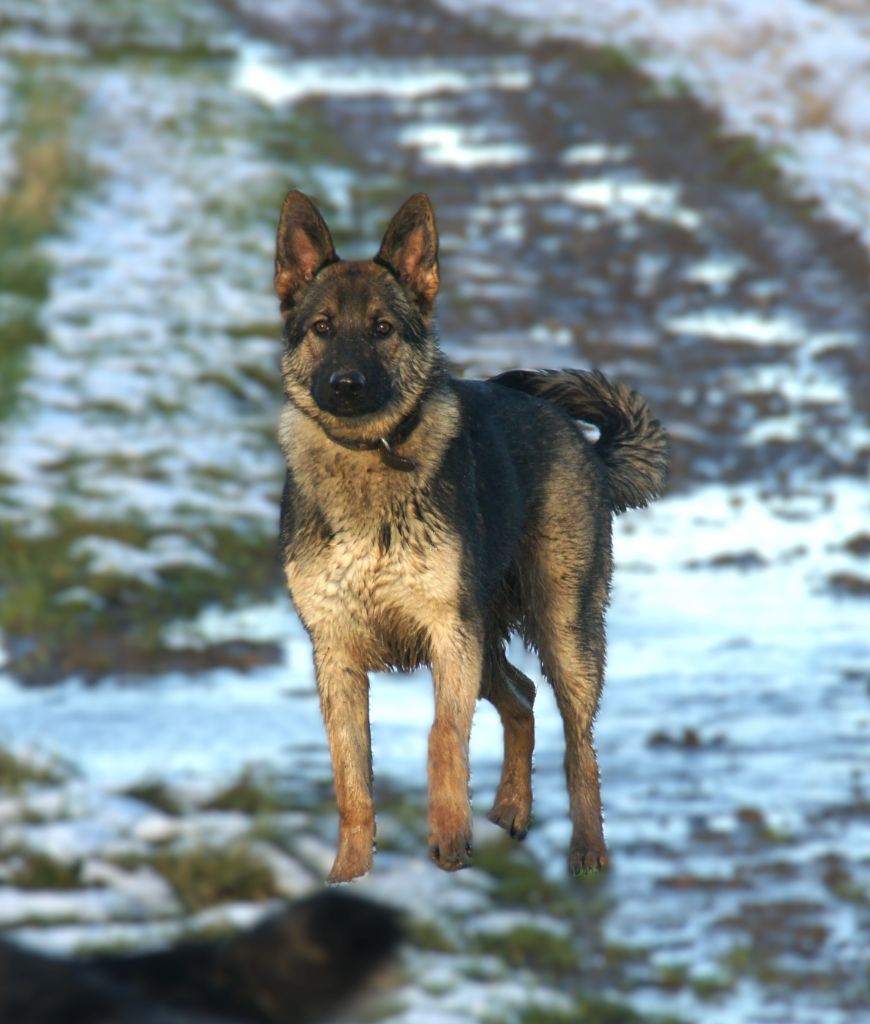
(425, 519)
(296, 967)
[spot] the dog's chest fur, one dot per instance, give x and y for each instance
(380, 560)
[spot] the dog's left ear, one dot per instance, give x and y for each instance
(410, 248)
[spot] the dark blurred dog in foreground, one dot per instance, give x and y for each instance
(294, 968)
(425, 519)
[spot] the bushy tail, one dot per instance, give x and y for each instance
(633, 445)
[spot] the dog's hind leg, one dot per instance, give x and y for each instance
(344, 701)
(570, 584)
(512, 694)
(574, 665)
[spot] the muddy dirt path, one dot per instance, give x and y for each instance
(586, 213)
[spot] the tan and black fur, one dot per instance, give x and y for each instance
(426, 518)
(295, 967)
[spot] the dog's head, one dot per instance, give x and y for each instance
(359, 340)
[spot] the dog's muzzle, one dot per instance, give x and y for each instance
(349, 392)
(347, 385)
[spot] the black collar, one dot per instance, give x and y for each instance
(384, 445)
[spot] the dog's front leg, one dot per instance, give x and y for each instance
(457, 668)
(344, 702)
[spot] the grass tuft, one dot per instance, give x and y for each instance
(532, 947)
(519, 881)
(204, 878)
(156, 794)
(247, 795)
(17, 772)
(47, 173)
(35, 870)
(426, 934)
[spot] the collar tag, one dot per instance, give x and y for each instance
(394, 461)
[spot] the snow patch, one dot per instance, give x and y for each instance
(458, 146)
(275, 78)
(792, 73)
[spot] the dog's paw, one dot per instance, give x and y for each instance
(451, 852)
(511, 816)
(584, 859)
(349, 864)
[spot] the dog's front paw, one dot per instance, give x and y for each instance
(511, 815)
(350, 862)
(450, 851)
(584, 858)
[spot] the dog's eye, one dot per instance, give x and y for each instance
(383, 327)
(320, 326)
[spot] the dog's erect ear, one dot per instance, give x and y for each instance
(410, 248)
(304, 245)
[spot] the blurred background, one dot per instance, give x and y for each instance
(677, 193)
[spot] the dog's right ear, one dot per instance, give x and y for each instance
(304, 246)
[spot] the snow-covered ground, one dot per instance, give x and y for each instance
(138, 371)
(793, 74)
(762, 686)
(734, 728)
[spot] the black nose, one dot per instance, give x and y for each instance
(347, 384)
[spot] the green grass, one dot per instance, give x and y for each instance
(116, 30)
(203, 878)
(610, 60)
(246, 794)
(622, 953)
(529, 946)
(673, 977)
(157, 795)
(36, 870)
(17, 772)
(36, 570)
(426, 934)
(520, 881)
(401, 819)
(591, 1011)
(749, 161)
(48, 173)
(711, 987)
(116, 946)
(750, 961)
(123, 629)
